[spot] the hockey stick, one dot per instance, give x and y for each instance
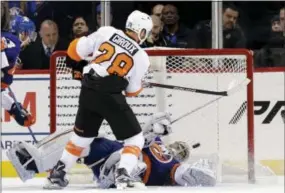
(196, 109)
(18, 107)
(201, 91)
(232, 89)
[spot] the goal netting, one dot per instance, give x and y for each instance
(224, 128)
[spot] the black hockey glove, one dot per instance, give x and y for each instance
(77, 67)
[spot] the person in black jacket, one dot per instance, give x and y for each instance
(174, 31)
(275, 24)
(233, 36)
(282, 19)
(273, 53)
(37, 54)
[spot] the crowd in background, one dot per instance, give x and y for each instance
(175, 25)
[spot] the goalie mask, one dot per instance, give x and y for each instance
(140, 23)
(180, 150)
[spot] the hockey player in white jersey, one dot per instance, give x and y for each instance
(159, 165)
(118, 65)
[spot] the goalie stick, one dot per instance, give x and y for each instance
(232, 89)
(196, 109)
(201, 91)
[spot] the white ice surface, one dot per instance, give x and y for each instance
(35, 186)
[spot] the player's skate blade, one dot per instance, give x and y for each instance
(124, 181)
(52, 185)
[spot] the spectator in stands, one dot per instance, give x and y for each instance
(233, 36)
(98, 16)
(157, 10)
(275, 24)
(156, 38)
(273, 53)
(79, 27)
(282, 19)
(276, 33)
(174, 31)
(25, 8)
(37, 54)
(5, 17)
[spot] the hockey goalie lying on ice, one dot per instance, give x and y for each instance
(160, 164)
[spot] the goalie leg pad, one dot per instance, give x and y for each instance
(29, 159)
(200, 177)
(21, 115)
(196, 175)
(107, 171)
(23, 162)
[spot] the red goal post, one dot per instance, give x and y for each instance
(206, 68)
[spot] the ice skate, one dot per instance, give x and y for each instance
(124, 181)
(56, 179)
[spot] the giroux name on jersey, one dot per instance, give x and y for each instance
(124, 43)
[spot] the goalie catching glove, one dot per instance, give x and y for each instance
(158, 125)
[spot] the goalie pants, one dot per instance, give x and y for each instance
(95, 106)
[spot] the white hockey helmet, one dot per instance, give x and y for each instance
(138, 22)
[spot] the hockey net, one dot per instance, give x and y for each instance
(224, 128)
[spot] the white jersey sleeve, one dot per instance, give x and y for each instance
(139, 71)
(7, 100)
(84, 47)
(4, 59)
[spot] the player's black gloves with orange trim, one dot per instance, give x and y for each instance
(77, 67)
